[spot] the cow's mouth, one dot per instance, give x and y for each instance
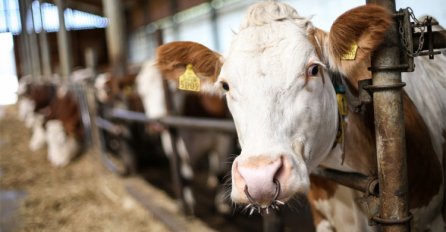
(254, 206)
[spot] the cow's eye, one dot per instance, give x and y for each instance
(224, 85)
(313, 70)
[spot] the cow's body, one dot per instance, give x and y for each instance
(284, 106)
(54, 115)
(192, 146)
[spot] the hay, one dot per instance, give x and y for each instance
(80, 197)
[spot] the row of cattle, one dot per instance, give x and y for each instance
(53, 113)
(276, 81)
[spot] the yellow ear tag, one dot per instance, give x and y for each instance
(351, 54)
(189, 80)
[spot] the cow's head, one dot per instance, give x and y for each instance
(279, 92)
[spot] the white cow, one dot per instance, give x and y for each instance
(285, 110)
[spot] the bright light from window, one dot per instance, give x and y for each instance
(8, 77)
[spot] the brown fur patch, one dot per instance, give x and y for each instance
(424, 169)
(67, 111)
(172, 58)
(365, 23)
(320, 189)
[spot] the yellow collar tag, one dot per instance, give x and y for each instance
(351, 54)
(189, 80)
(342, 104)
(343, 111)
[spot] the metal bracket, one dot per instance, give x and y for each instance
(407, 34)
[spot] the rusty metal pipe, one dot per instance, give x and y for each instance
(64, 43)
(176, 121)
(438, 40)
(355, 181)
(390, 133)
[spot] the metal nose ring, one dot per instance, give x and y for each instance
(255, 206)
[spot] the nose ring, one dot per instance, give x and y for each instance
(255, 206)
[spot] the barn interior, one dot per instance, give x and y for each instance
(62, 38)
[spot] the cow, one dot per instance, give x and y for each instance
(54, 116)
(278, 88)
(64, 132)
(193, 146)
(33, 99)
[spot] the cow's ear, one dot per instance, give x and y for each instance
(174, 57)
(355, 35)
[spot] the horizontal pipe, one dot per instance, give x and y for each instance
(355, 181)
(176, 121)
(438, 40)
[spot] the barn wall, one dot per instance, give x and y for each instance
(80, 40)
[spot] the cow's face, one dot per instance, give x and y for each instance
(283, 105)
(280, 94)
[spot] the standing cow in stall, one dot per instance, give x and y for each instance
(278, 89)
(192, 146)
(64, 131)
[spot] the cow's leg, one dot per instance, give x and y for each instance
(38, 138)
(218, 167)
(186, 172)
(319, 192)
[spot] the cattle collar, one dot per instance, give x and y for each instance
(343, 109)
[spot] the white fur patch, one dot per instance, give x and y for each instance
(341, 211)
(150, 87)
(26, 107)
(61, 148)
(100, 85)
(38, 138)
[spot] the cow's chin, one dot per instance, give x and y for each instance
(252, 184)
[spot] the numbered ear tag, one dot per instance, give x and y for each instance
(351, 54)
(189, 80)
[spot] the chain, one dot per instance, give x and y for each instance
(418, 25)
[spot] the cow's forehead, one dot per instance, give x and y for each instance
(276, 50)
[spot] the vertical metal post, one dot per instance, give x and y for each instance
(215, 31)
(24, 38)
(64, 43)
(44, 48)
(174, 160)
(91, 59)
(390, 132)
(116, 39)
(175, 27)
(34, 46)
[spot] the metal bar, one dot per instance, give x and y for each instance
(25, 39)
(44, 48)
(116, 39)
(169, 220)
(34, 45)
(215, 27)
(64, 43)
(175, 121)
(389, 128)
(438, 40)
(355, 181)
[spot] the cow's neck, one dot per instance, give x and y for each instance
(360, 151)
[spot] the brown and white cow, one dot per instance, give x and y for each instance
(64, 132)
(54, 115)
(193, 146)
(284, 107)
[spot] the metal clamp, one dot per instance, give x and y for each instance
(375, 88)
(383, 221)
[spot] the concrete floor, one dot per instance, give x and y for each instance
(10, 201)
